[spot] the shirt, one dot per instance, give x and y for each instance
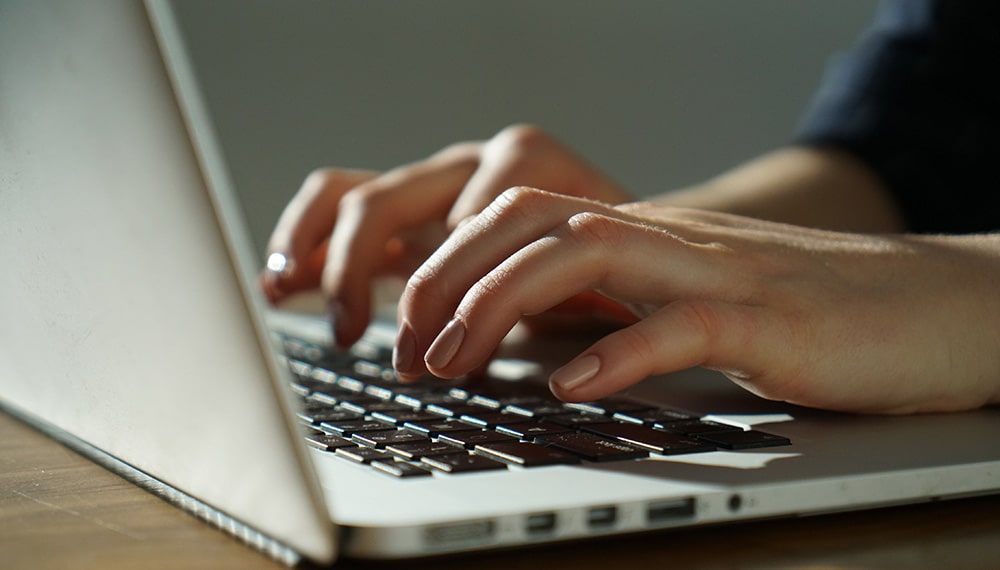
(917, 101)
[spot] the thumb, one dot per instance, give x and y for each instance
(680, 335)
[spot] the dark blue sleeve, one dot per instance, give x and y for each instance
(916, 100)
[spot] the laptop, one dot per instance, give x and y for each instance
(131, 330)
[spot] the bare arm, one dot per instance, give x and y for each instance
(811, 187)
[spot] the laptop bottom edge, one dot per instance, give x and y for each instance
(203, 511)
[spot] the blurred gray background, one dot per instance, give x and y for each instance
(658, 93)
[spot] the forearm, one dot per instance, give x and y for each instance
(818, 188)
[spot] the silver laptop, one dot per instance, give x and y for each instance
(131, 330)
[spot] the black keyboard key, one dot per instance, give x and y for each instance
(379, 439)
(429, 395)
(365, 404)
(531, 429)
(349, 428)
(577, 419)
(360, 454)
(400, 469)
(660, 442)
(316, 415)
(299, 368)
(402, 416)
(409, 400)
(416, 450)
(607, 407)
(453, 409)
(592, 447)
(436, 427)
(489, 420)
(311, 386)
(324, 376)
(744, 439)
(695, 427)
(324, 398)
(458, 393)
(371, 370)
(327, 441)
(350, 384)
(652, 416)
(462, 463)
(535, 407)
(380, 392)
(367, 350)
(305, 351)
(485, 401)
(526, 454)
(470, 439)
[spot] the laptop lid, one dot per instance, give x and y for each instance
(126, 321)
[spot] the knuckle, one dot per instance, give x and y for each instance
(423, 286)
(635, 344)
(420, 283)
(521, 137)
(700, 315)
(518, 202)
(702, 319)
(460, 152)
(365, 198)
(320, 176)
(592, 229)
(487, 290)
(325, 177)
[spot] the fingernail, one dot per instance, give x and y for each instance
(338, 321)
(576, 372)
(404, 350)
(446, 345)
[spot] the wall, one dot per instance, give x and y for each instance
(658, 93)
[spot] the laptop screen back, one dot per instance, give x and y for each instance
(122, 321)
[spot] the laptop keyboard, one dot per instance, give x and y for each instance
(357, 410)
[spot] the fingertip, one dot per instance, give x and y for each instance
(347, 328)
(404, 351)
(575, 377)
(406, 378)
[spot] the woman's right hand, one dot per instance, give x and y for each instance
(344, 228)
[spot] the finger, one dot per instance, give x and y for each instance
(499, 169)
(371, 217)
(681, 335)
(523, 155)
(595, 305)
(435, 289)
(624, 260)
(283, 276)
(303, 228)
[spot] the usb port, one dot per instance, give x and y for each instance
(662, 512)
(540, 523)
(602, 517)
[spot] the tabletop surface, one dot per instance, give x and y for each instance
(59, 510)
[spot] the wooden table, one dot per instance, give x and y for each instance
(58, 510)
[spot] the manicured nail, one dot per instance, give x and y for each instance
(446, 345)
(338, 322)
(404, 350)
(576, 373)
